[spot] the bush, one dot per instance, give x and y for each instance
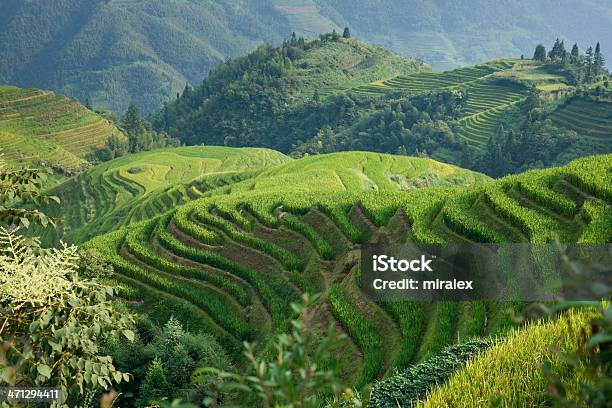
(53, 322)
(406, 388)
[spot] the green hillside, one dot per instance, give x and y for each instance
(277, 96)
(117, 52)
(140, 186)
(592, 120)
(254, 246)
(487, 98)
(42, 127)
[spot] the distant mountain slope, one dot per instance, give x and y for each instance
(116, 52)
(448, 33)
(42, 127)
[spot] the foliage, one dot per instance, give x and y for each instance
(405, 388)
(23, 186)
(299, 376)
(53, 321)
(534, 142)
(272, 97)
(162, 361)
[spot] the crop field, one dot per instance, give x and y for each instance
(254, 246)
(591, 120)
(485, 107)
(143, 185)
(39, 126)
(488, 94)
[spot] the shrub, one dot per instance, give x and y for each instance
(53, 322)
(406, 388)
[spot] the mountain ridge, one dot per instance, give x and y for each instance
(118, 52)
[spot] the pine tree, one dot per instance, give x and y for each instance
(135, 129)
(346, 33)
(540, 53)
(588, 65)
(599, 62)
(155, 386)
(575, 54)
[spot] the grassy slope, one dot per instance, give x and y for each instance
(262, 241)
(488, 377)
(134, 187)
(40, 126)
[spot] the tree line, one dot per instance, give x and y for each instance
(585, 68)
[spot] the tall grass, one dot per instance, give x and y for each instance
(508, 374)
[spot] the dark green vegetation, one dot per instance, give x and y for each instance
(39, 127)
(115, 52)
(161, 361)
(408, 387)
(232, 262)
(493, 117)
(277, 97)
(486, 99)
(122, 51)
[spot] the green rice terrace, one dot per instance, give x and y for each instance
(592, 121)
(232, 261)
(488, 96)
(42, 127)
(143, 185)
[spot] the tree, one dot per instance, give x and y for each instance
(575, 54)
(599, 62)
(155, 386)
(54, 321)
(557, 53)
(302, 374)
(346, 33)
(588, 65)
(23, 186)
(540, 53)
(335, 36)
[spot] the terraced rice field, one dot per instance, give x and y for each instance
(40, 126)
(143, 185)
(487, 98)
(231, 263)
(486, 105)
(591, 120)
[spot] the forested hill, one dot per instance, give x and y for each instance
(271, 97)
(117, 52)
